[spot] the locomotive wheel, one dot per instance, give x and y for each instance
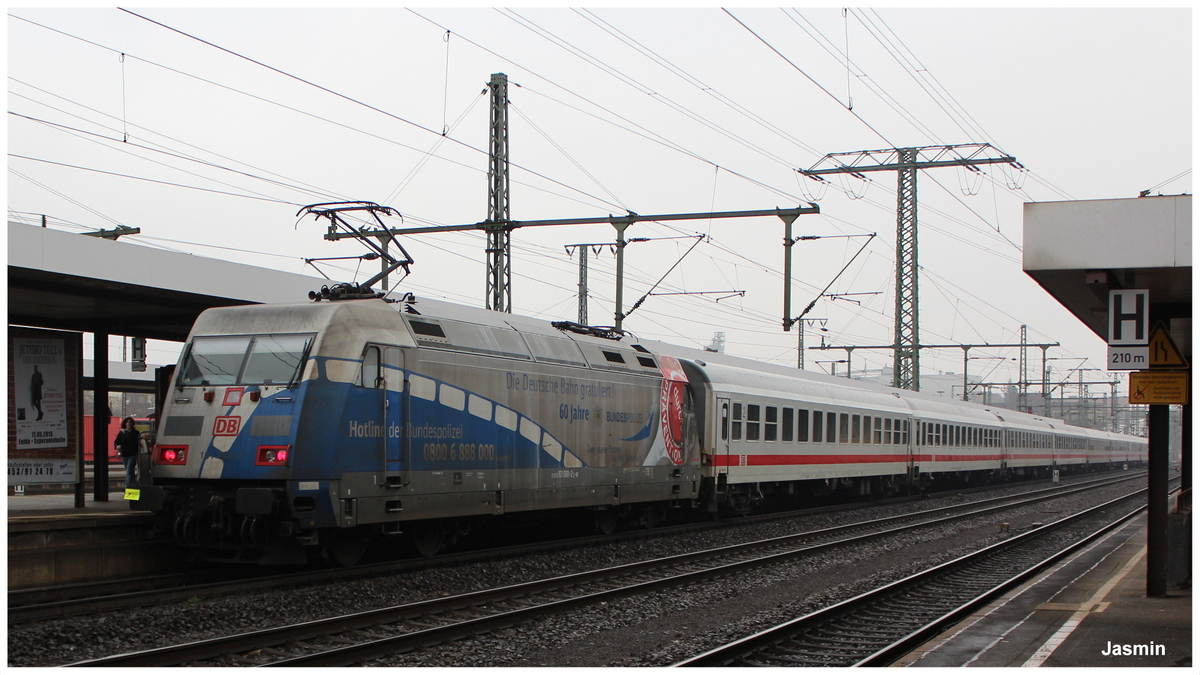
(427, 538)
(347, 547)
(606, 521)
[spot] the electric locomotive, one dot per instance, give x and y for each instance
(292, 429)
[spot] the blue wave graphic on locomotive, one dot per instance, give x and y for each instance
(644, 433)
(340, 427)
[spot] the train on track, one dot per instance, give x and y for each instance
(298, 430)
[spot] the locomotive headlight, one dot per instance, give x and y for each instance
(170, 454)
(272, 455)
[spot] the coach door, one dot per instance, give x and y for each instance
(721, 447)
(396, 413)
(914, 441)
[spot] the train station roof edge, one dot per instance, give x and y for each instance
(1080, 250)
(67, 281)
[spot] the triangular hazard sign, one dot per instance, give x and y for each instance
(1163, 352)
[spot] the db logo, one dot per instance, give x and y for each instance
(227, 426)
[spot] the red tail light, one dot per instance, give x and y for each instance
(170, 454)
(273, 455)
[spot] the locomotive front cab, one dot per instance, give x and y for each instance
(227, 445)
(261, 429)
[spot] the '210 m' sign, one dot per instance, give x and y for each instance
(227, 426)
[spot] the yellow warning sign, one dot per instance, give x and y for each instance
(1151, 388)
(133, 495)
(1163, 352)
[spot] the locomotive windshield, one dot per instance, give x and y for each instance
(244, 359)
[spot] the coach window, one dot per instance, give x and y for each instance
(854, 429)
(737, 422)
(753, 417)
(818, 424)
(802, 425)
(879, 437)
(724, 421)
(770, 429)
(888, 439)
(786, 423)
(867, 429)
(844, 429)
(831, 427)
(905, 441)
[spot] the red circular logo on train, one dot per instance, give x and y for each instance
(670, 407)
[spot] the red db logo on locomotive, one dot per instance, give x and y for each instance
(227, 426)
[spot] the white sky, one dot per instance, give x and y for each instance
(651, 111)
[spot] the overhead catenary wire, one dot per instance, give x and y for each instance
(380, 137)
(159, 147)
(715, 165)
(350, 99)
(150, 180)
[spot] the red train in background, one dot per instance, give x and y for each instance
(114, 426)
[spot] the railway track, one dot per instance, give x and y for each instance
(363, 637)
(878, 627)
(78, 599)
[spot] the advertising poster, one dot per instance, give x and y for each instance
(39, 406)
(41, 399)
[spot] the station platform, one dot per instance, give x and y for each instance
(52, 544)
(63, 504)
(1090, 609)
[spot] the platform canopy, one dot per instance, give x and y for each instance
(73, 282)
(1080, 250)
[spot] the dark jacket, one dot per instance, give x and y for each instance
(127, 442)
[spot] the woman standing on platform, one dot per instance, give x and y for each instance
(127, 447)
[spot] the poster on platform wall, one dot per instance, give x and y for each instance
(40, 402)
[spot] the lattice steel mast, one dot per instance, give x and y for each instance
(905, 162)
(499, 233)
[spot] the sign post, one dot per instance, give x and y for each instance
(1128, 337)
(1159, 380)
